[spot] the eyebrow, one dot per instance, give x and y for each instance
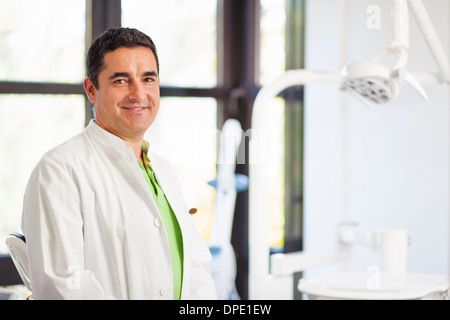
(150, 74)
(119, 75)
(126, 75)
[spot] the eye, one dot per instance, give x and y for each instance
(120, 81)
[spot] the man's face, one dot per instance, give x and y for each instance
(127, 98)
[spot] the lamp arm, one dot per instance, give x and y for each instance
(420, 13)
(258, 212)
(400, 22)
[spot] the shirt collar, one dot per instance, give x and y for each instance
(145, 154)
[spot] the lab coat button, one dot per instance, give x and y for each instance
(157, 223)
(162, 292)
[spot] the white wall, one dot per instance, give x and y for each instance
(384, 168)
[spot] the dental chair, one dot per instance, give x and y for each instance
(18, 250)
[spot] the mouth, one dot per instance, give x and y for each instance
(135, 108)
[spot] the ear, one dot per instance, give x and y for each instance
(90, 89)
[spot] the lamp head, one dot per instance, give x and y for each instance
(371, 80)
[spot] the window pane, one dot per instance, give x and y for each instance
(184, 33)
(42, 40)
(272, 65)
(185, 133)
(272, 42)
(29, 126)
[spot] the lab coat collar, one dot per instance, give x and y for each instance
(104, 137)
(109, 139)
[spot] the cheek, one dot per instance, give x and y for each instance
(156, 98)
(105, 107)
(108, 99)
(157, 102)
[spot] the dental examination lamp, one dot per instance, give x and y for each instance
(380, 84)
(271, 277)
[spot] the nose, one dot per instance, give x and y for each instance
(136, 91)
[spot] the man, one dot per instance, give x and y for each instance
(104, 217)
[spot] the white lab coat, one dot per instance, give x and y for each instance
(93, 230)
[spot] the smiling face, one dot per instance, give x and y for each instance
(127, 98)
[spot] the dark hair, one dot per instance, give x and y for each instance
(111, 40)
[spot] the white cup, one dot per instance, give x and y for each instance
(394, 247)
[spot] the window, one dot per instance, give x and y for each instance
(42, 41)
(31, 125)
(273, 36)
(185, 34)
(272, 65)
(42, 52)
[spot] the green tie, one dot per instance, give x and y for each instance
(170, 223)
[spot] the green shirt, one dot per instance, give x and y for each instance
(170, 223)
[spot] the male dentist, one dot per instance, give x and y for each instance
(103, 215)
